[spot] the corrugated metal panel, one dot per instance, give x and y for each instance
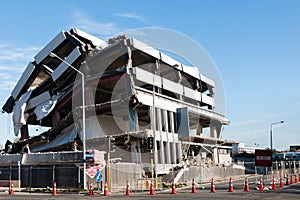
(50, 47)
(24, 78)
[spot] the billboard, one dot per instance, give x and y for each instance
(263, 158)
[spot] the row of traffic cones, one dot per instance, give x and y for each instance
(173, 191)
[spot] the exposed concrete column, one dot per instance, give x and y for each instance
(216, 155)
(135, 152)
(215, 129)
(179, 149)
(168, 150)
(162, 147)
(171, 116)
(155, 139)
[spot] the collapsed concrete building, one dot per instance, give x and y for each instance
(132, 92)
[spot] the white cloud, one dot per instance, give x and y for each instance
(132, 16)
(93, 27)
(13, 61)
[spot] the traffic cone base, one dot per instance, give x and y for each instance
(11, 189)
(261, 187)
(128, 193)
(54, 189)
(151, 189)
(193, 187)
(230, 189)
(273, 184)
(296, 178)
(105, 193)
(212, 188)
(91, 192)
(173, 188)
(246, 189)
(281, 183)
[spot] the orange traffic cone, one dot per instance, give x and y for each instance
(11, 189)
(151, 188)
(291, 180)
(261, 187)
(230, 188)
(193, 187)
(212, 188)
(105, 193)
(91, 192)
(246, 189)
(54, 189)
(273, 184)
(281, 182)
(128, 193)
(296, 178)
(173, 188)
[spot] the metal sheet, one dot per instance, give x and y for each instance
(63, 66)
(38, 100)
(50, 47)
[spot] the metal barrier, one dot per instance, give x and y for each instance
(144, 184)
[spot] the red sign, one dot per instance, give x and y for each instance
(263, 158)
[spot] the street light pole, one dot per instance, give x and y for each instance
(83, 115)
(271, 134)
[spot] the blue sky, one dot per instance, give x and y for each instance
(255, 44)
